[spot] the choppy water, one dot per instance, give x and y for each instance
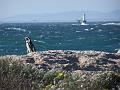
(65, 36)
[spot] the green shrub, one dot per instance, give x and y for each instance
(98, 81)
(14, 75)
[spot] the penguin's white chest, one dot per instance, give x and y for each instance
(28, 47)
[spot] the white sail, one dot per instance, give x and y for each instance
(83, 20)
(83, 17)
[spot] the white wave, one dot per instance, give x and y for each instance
(75, 24)
(116, 49)
(86, 29)
(80, 38)
(18, 29)
(35, 40)
(91, 28)
(59, 43)
(77, 31)
(16, 49)
(41, 41)
(100, 30)
(111, 24)
(29, 32)
(115, 38)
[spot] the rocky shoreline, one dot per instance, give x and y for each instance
(68, 60)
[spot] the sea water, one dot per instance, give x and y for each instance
(59, 36)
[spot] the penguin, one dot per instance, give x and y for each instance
(29, 45)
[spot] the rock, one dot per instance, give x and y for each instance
(30, 60)
(72, 60)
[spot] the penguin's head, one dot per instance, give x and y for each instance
(27, 39)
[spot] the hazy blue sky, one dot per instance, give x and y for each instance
(10, 8)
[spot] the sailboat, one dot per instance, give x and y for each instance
(83, 20)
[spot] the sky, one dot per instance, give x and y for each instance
(9, 8)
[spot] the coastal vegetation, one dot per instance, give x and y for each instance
(60, 70)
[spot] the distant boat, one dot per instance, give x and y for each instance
(83, 20)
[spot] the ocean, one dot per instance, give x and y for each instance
(99, 36)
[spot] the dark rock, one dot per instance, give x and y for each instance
(59, 61)
(91, 68)
(112, 56)
(30, 60)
